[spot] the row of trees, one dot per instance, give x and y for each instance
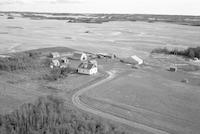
(190, 52)
(49, 115)
(20, 61)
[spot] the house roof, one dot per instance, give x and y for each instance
(87, 66)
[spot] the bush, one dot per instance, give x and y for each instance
(33, 54)
(49, 115)
(57, 73)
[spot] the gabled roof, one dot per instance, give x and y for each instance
(87, 66)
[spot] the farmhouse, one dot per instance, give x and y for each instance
(88, 68)
(79, 56)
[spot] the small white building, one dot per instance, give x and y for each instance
(54, 55)
(61, 62)
(137, 59)
(79, 56)
(87, 68)
(55, 63)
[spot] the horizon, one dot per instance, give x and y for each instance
(154, 7)
(95, 13)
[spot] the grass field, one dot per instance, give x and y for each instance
(155, 98)
(123, 38)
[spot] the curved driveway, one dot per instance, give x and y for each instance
(81, 105)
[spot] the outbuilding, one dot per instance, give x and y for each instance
(133, 60)
(138, 60)
(54, 55)
(55, 63)
(79, 56)
(61, 62)
(173, 68)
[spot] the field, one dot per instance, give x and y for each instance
(122, 38)
(150, 95)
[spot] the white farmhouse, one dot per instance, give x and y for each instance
(87, 68)
(79, 56)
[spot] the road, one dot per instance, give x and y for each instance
(81, 105)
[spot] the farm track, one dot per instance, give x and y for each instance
(83, 106)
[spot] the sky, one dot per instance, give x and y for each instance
(177, 7)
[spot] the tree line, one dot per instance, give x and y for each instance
(189, 52)
(49, 115)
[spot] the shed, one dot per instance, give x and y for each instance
(54, 55)
(106, 55)
(173, 68)
(64, 62)
(79, 56)
(134, 60)
(61, 62)
(137, 59)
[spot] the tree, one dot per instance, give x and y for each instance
(191, 53)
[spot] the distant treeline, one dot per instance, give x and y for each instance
(189, 52)
(49, 115)
(101, 18)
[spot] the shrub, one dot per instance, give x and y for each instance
(49, 115)
(33, 54)
(57, 73)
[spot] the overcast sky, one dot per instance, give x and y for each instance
(182, 7)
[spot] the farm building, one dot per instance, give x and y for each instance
(64, 62)
(137, 59)
(134, 60)
(54, 55)
(55, 63)
(61, 62)
(173, 68)
(79, 56)
(106, 55)
(88, 68)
